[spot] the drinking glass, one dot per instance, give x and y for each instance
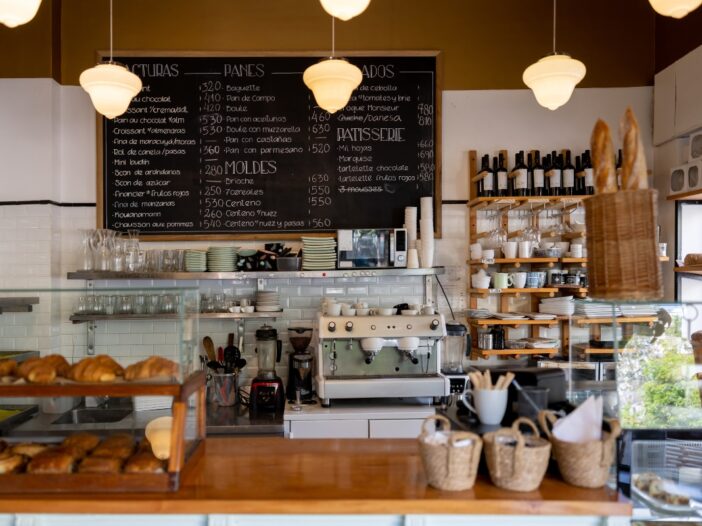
(87, 249)
(167, 304)
(153, 304)
(82, 306)
(109, 303)
(169, 261)
(125, 305)
(140, 304)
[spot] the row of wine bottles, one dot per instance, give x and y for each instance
(555, 175)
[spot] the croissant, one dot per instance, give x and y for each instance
(36, 370)
(8, 367)
(59, 363)
(91, 370)
(634, 174)
(603, 158)
(152, 367)
(108, 361)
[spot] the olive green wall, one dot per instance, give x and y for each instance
(485, 43)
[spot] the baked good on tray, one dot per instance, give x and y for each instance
(53, 461)
(8, 367)
(11, 462)
(85, 441)
(28, 449)
(91, 370)
(152, 367)
(144, 462)
(116, 446)
(100, 465)
(43, 370)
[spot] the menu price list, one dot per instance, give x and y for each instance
(238, 145)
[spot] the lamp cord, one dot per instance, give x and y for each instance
(554, 26)
(111, 30)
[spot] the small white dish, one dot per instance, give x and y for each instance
(409, 312)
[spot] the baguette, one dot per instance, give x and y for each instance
(487, 383)
(634, 173)
(603, 159)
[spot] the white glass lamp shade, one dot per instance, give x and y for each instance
(675, 8)
(14, 13)
(553, 79)
(344, 9)
(332, 82)
(111, 88)
(158, 433)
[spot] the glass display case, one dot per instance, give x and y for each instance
(100, 389)
(657, 354)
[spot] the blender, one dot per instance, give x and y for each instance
(300, 363)
(267, 391)
(454, 352)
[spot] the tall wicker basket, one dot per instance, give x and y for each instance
(623, 261)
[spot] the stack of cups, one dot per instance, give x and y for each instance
(426, 232)
(411, 226)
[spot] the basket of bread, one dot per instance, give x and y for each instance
(621, 222)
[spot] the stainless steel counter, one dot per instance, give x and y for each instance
(235, 420)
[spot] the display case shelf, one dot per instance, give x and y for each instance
(696, 269)
(83, 318)
(516, 352)
(341, 273)
(579, 320)
(516, 262)
(486, 292)
(492, 321)
(692, 195)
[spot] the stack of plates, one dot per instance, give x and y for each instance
(479, 314)
(591, 309)
(509, 316)
(267, 301)
(563, 306)
(221, 259)
(318, 253)
(195, 261)
(634, 311)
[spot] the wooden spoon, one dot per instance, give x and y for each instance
(208, 344)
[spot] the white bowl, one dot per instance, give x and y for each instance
(385, 311)
(409, 312)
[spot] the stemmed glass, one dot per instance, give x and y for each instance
(498, 236)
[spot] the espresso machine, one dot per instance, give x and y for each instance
(300, 363)
(267, 391)
(380, 357)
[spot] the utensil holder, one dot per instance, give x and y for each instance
(516, 462)
(223, 389)
(451, 466)
(583, 464)
(623, 261)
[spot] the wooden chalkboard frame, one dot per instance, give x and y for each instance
(219, 236)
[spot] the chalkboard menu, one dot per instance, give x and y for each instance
(236, 145)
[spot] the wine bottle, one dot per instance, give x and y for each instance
(579, 177)
(530, 174)
(519, 175)
(568, 171)
(547, 170)
(537, 187)
(502, 179)
(619, 169)
(485, 184)
(554, 175)
(589, 178)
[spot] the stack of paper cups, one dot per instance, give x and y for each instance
(426, 231)
(411, 226)
(426, 205)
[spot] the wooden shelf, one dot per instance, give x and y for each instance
(697, 269)
(486, 292)
(583, 261)
(608, 321)
(517, 262)
(499, 203)
(17, 304)
(692, 195)
(83, 318)
(115, 389)
(572, 289)
(495, 321)
(509, 352)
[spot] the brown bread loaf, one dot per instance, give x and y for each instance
(603, 159)
(634, 173)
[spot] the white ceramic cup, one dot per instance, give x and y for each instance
(249, 309)
(348, 311)
(509, 249)
(563, 245)
(489, 254)
(428, 310)
(663, 249)
(333, 309)
(524, 249)
(362, 312)
(412, 258)
(245, 302)
(476, 251)
(480, 282)
(489, 404)
(519, 279)
(360, 305)
(576, 250)
(502, 280)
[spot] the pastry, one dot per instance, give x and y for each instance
(28, 450)
(10, 462)
(85, 441)
(3, 446)
(634, 173)
(52, 461)
(74, 452)
(144, 462)
(43, 370)
(152, 367)
(108, 361)
(8, 367)
(58, 362)
(603, 159)
(100, 465)
(692, 260)
(117, 446)
(92, 371)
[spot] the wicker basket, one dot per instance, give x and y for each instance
(516, 462)
(448, 466)
(623, 261)
(584, 464)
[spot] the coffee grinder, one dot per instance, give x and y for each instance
(267, 391)
(300, 363)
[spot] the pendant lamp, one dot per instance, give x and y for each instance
(554, 77)
(14, 13)
(111, 86)
(332, 81)
(344, 9)
(674, 8)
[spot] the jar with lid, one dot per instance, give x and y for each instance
(484, 339)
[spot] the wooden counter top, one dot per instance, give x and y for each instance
(276, 475)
